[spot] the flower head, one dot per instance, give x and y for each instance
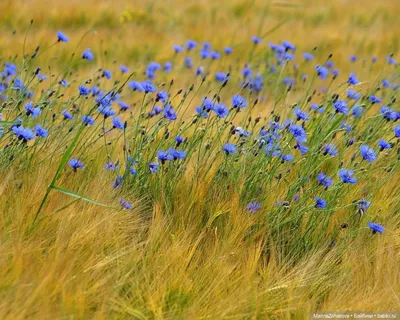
(76, 164)
(88, 55)
(254, 206)
(324, 180)
(320, 203)
(368, 153)
(376, 228)
(40, 131)
(238, 102)
(347, 176)
(61, 37)
(126, 205)
(229, 148)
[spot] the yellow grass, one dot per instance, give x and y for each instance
(89, 262)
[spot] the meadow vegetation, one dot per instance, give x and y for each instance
(198, 159)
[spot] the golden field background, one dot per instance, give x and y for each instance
(94, 263)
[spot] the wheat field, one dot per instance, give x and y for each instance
(219, 212)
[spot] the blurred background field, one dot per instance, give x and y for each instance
(92, 262)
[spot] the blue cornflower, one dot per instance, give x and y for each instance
(201, 112)
(390, 60)
(287, 157)
(375, 99)
(254, 206)
(374, 59)
(246, 72)
(320, 203)
(289, 81)
(169, 113)
(363, 205)
(347, 176)
(288, 56)
(179, 140)
(177, 154)
(303, 149)
(200, 71)
(317, 107)
(155, 111)
(148, 86)
(106, 74)
(335, 72)
(329, 64)
(118, 181)
(324, 180)
(168, 67)
(126, 205)
(384, 144)
(301, 115)
(163, 96)
(191, 44)
(135, 86)
(341, 106)
(188, 62)
(356, 111)
(124, 106)
(256, 40)
(238, 102)
(376, 228)
(40, 132)
(229, 148)
(257, 83)
(10, 69)
(76, 164)
(368, 153)
(221, 76)
(228, 50)
(386, 83)
(106, 111)
(83, 91)
(353, 94)
(322, 72)
(61, 37)
(124, 69)
(288, 45)
(154, 166)
(220, 110)
(177, 48)
(111, 166)
(67, 115)
(116, 121)
(308, 56)
(41, 77)
(215, 55)
(241, 132)
(64, 83)
(204, 53)
(164, 156)
(87, 120)
(22, 133)
(397, 131)
(31, 111)
(96, 91)
(132, 171)
(330, 149)
(88, 55)
(298, 133)
(353, 58)
(277, 48)
(353, 79)
(208, 104)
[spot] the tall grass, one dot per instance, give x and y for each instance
(185, 214)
